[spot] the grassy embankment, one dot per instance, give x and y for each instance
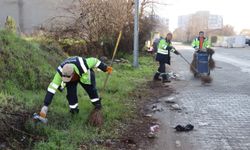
(26, 70)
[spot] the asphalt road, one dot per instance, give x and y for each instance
(220, 112)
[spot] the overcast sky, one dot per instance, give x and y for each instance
(234, 12)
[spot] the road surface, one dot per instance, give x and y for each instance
(220, 112)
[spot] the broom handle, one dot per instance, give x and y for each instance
(113, 57)
(188, 63)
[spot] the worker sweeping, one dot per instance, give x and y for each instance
(163, 57)
(72, 71)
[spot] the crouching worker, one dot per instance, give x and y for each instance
(163, 57)
(72, 71)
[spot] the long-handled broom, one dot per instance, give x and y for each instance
(191, 65)
(113, 57)
(96, 116)
(204, 79)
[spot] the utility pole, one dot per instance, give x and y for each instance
(20, 15)
(136, 34)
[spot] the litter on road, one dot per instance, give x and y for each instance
(153, 131)
(170, 100)
(203, 124)
(151, 135)
(156, 108)
(176, 107)
(155, 128)
(181, 128)
(178, 143)
(148, 115)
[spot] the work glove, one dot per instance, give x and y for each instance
(98, 104)
(210, 51)
(109, 69)
(43, 112)
(176, 52)
(41, 117)
(170, 47)
(62, 86)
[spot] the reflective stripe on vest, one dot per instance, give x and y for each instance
(83, 65)
(80, 63)
(162, 51)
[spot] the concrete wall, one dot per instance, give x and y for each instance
(31, 13)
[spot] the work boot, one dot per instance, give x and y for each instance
(74, 111)
(156, 77)
(165, 78)
(98, 104)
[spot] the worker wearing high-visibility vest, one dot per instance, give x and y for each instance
(163, 57)
(201, 43)
(69, 73)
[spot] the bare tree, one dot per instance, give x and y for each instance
(245, 32)
(98, 23)
(226, 30)
(180, 35)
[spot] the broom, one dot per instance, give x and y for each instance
(193, 65)
(192, 68)
(96, 116)
(204, 79)
(211, 62)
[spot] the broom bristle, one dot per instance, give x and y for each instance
(206, 79)
(211, 63)
(96, 118)
(193, 65)
(210, 51)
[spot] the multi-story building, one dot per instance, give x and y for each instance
(209, 21)
(30, 14)
(215, 22)
(183, 21)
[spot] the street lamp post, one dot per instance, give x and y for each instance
(136, 34)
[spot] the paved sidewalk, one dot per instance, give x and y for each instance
(220, 112)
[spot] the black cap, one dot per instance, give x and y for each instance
(201, 32)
